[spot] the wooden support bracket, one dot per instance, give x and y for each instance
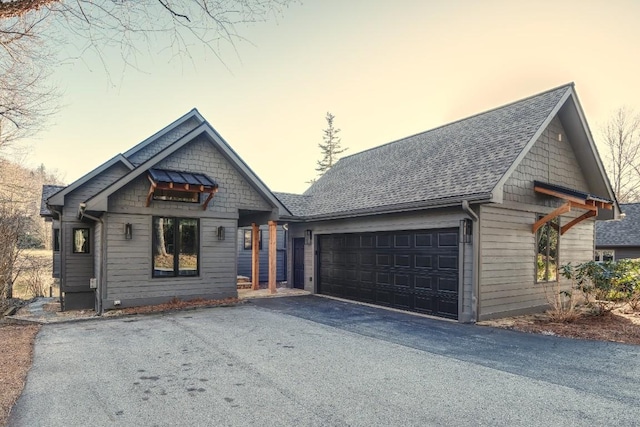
(255, 257)
(272, 256)
(557, 212)
(567, 226)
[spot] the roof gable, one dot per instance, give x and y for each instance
(58, 198)
(99, 202)
(47, 192)
(464, 160)
(144, 150)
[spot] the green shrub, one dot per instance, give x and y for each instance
(603, 284)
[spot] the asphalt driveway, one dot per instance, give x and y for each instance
(311, 361)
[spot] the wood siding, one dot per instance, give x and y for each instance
(507, 244)
(92, 187)
(129, 267)
(508, 256)
(76, 269)
(244, 255)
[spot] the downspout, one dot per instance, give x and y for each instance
(59, 213)
(476, 259)
(83, 206)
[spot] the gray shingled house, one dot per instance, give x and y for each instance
(619, 239)
(157, 222)
(467, 221)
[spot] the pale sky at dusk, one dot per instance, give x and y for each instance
(385, 69)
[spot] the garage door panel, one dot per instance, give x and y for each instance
(448, 284)
(402, 241)
(423, 261)
(448, 240)
(423, 282)
(402, 260)
(410, 270)
(423, 240)
(447, 262)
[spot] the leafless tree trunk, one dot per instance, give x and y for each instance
(621, 136)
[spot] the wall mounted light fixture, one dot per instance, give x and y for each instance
(466, 228)
(220, 233)
(128, 231)
(308, 234)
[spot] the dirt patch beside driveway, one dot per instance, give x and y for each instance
(16, 352)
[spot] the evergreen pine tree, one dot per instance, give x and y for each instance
(330, 148)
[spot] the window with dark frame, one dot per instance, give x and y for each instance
(604, 255)
(176, 247)
(547, 251)
(248, 239)
(56, 240)
(80, 243)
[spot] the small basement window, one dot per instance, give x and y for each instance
(547, 245)
(176, 196)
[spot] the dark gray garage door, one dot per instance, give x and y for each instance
(409, 270)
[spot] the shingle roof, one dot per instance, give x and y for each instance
(623, 232)
(296, 203)
(48, 191)
(461, 160)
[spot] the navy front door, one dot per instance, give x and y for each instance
(298, 263)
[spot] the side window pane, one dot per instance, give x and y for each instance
(247, 239)
(163, 247)
(547, 251)
(188, 247)
(56, 240)
(80, 240)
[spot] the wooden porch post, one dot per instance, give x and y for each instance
(255, 257)
(273, 238)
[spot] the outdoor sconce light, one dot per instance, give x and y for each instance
(466, 227)
(307, 237)
(128, 231)
(221, 233)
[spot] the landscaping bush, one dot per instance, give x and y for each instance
(604, 284)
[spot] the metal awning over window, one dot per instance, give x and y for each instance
(574, 199)
(184, 182)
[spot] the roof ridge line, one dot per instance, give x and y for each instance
(570, 84)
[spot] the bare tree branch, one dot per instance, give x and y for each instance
(621, 136)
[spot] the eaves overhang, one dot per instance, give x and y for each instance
(478, 198)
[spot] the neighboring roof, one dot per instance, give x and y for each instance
(48, 191)
(621, 232)
(296, 203)
(178, 177)
(469, 159)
